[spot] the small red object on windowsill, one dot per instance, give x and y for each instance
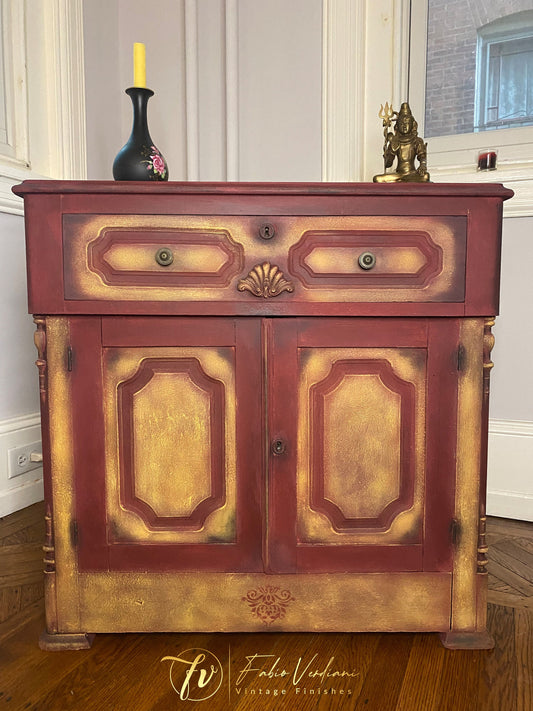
(486, 160)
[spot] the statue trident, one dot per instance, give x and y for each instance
(387, 115)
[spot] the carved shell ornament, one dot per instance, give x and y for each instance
(265, 280)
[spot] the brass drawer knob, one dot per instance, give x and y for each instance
(164, 256)
(367, 260)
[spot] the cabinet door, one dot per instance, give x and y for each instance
(163, 482)
(362, 424)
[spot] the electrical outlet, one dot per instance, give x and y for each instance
(20, 459)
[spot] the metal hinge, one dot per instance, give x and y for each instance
(74, 533)
(461, 357)
(69, 359)
(455, 532)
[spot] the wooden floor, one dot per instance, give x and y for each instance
(382, 672)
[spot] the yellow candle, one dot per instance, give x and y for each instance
(139, 65)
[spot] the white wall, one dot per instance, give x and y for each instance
(103, 99)
(280, 90)
(510, 475)
(160, 26)
(18, 374)
(19, 400)
(511, 388)
(273, 49)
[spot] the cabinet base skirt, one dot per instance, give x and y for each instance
(232, 602)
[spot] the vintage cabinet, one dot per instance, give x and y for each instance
(264, 406)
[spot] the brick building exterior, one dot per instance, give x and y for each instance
(451, 60)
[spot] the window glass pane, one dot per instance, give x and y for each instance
(478, 65)
(512, 87)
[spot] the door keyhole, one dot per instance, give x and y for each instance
(278, 446)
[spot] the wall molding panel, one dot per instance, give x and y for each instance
(365, 63)
(343, 87)
(191, 89)
(232, 89)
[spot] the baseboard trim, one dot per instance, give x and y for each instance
(510, 484)
(510, 504)
(15, 499)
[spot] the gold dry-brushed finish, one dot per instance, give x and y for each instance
(482, 548)
(469, 429)
(50, 573)
(326, 252)
(188, 602)
(362, 445)
(265, 280)
(39, 338)
(65, 590)
(83, 279)
(131, 259)
(342, 260)
(171, 441)
(142, 257)
(361, 481)
(171, 432)
(48, 547)
(488, 345)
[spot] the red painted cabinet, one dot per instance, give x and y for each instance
(264, 391)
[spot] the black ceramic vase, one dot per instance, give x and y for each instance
(139, 159)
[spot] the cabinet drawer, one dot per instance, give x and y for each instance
(335, 259)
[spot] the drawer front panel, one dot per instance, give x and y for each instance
(332, 259)
(160, 258)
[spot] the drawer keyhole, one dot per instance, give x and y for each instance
(267, 231)
(164, 257)
(367, 260)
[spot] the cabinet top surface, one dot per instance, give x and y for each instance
(29, 187)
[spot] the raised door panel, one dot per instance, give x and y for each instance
(359, 474)
(175, 486)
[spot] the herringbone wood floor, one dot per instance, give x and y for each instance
(394, 672)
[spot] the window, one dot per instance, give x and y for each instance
(470, 66)
(504, 82)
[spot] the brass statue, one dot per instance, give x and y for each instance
(405, 145)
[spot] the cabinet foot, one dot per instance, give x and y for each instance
(467, 640)
(65, 641)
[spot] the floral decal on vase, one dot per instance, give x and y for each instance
(268, 603)
(155, 163)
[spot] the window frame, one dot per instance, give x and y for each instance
(495, 33)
